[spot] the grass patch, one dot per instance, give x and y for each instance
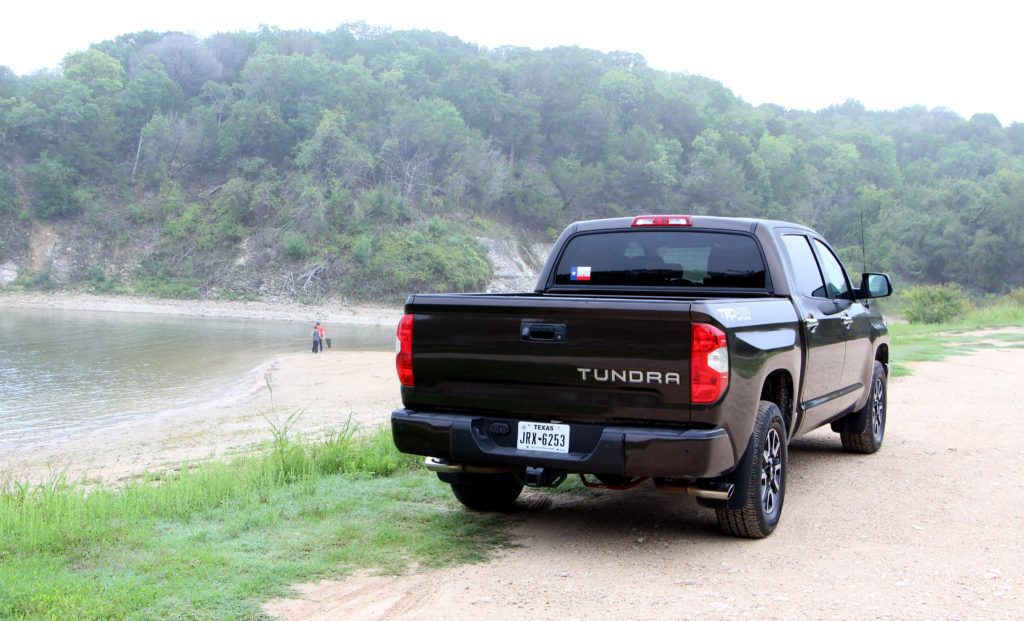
(217, 540)
(934, 342)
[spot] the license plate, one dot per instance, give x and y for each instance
(547, 437)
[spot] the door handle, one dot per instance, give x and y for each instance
(811, 323)
(847, 321)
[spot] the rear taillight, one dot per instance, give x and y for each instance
(403, 351)
(709, 363)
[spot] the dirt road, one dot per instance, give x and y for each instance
(931, 527)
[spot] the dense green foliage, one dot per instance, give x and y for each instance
(218, 540)
(368, 161)
(934, 304)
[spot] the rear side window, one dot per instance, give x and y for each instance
(806, 271)
(662, 259)
(805, 267)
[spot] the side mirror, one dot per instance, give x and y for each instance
(874, 286)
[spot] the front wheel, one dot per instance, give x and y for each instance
(766, 488)
(868, 423)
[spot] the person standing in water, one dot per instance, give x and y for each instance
(316, 338)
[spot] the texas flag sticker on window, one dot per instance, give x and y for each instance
(580, 273)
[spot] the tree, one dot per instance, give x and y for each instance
(185, 59)
(534, 198)
(253, 129)
(151, 91)
(644, 169)
(54, 188)
(8, 82)
(296, 88)
(102, 75)
(331, 153)
(422, 145)
(581, 186)
(623, 90)
(716, 183)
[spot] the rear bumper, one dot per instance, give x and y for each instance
(602, 449)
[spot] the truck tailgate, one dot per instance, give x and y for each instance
(552, 357)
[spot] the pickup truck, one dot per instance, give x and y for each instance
(688, 350)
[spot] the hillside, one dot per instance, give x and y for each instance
(365, 163)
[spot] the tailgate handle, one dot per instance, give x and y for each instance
(543, 332)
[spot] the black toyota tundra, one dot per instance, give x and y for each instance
(684, 349)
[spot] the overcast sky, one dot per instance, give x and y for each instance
(798, 54)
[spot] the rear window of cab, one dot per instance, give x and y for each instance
(664, 258)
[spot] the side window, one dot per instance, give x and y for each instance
(805, 268)
(835, 277)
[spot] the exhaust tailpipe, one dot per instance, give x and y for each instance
(713, 491)
(436, 464)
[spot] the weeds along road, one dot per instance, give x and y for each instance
(930, 527)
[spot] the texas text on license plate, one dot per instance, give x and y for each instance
(549, 437)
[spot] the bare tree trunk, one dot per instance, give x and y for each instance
(138, 152)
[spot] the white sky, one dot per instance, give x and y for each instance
(802, 54)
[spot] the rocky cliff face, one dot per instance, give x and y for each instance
(8, 272)
(515, 266)
(69, 256)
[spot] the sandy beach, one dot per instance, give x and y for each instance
(328, 389)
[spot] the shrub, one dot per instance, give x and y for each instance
(41, 280)
(935, 303)
(54, 188)
(1016, 297)
(411, 260)
(8, 193)
(96, 276)
(296, 246)
(362, 250)
(167, 287)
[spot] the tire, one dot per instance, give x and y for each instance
(866, 429)
(766, 489)
(489, 492)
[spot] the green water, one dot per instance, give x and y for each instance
(63, 372)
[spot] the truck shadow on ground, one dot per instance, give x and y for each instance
(580, 515)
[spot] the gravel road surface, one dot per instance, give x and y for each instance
(930, 527)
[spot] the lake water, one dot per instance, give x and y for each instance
(64, 371)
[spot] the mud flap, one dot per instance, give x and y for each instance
(740, 478)
(851, 423)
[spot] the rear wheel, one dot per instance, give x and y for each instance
(869, 429)
(766, 488)
(488, 492)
